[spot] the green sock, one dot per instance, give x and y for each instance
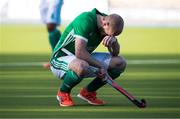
(54, 37)
(114, 73)
(95, 84)
(70, 80)
(98, 83)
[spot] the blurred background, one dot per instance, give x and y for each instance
(151, 26)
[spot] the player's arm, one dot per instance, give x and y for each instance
(82, 53)
(112, 44)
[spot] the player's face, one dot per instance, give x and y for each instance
(105, 29)
(109, 30)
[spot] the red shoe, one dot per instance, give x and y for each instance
(64, 99)
(90, 97)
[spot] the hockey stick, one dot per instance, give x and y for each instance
(109, 80)
(140, 104)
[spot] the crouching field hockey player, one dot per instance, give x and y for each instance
(73, 55)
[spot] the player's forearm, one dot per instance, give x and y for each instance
(84, 55)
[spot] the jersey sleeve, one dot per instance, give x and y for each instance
(82, 29)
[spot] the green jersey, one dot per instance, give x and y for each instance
(83, 27)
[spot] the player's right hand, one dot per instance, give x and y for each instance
(102, 73)
(108, 40)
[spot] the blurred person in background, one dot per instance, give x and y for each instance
(50, 11)
(73, 56)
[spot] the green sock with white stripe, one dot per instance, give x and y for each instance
(69, 81)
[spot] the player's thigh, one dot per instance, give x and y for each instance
(101, 57)
(54, 12)
(104, 58)
(109, 61)
(79, 66)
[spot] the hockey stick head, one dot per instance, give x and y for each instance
(141, 104)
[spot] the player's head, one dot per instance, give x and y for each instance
(112, 25)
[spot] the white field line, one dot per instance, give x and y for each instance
(21, 64)
(154, 61)
(130, 62)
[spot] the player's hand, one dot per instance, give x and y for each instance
(108, 40)
(102, 73)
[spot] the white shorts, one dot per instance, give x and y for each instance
(66, 60)
(50, 11)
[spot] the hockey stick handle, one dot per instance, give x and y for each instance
(110, 81)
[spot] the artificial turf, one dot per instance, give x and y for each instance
(30, 91)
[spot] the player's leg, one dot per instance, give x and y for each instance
(53, 34)
(77, 70)
(115, 66)
(53, 19)
(50, 15)
(71, 70)
(50, 11)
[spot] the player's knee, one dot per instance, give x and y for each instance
(82, 68)
(122, 65)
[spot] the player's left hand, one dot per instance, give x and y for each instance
(108, 40)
